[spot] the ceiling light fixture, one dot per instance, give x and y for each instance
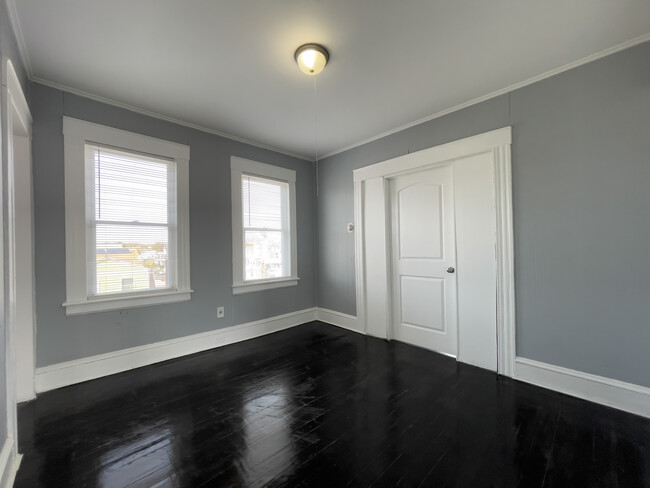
(311, 58)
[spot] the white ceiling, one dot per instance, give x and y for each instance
(228, 65)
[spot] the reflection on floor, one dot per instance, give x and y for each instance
(320, 406)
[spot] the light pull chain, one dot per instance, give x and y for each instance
(316, 132)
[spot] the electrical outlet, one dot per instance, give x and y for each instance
(220, 312)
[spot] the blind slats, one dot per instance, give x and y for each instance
(262, 203)
(263, 212)
(130, 188)
(132, 209)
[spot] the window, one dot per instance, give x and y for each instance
(127, 219)
(263, 226)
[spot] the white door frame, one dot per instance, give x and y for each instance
(21, 208)
(16, 129)
(372, 239)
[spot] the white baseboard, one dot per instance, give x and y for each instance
(71, 372)
(9, 463)
(339, 319)
(613, 393)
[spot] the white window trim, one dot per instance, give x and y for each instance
(76, 134)
(238, 167)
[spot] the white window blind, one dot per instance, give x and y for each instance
(266, 238)
(131, 221)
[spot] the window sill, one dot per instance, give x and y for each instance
(105, 304)
(238, 289)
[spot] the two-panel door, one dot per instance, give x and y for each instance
(424, 255)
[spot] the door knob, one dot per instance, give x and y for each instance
(450, 269)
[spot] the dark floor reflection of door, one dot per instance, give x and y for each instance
(321, 406)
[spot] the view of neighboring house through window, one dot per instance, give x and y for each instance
(130, 223)
(264, 226)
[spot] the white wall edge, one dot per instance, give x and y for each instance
(79, 370)
(598, 389)
(359, 257)
(339, 319)
(9, 464)
(505, 252)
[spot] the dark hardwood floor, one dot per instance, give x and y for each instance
(320, 406)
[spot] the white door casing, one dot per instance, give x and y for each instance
(18, 276)
(475, 213)
(423, 254)
(24, 280)
(373, 236)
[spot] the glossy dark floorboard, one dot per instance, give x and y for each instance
(320, 406)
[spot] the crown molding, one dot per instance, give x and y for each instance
(24, 56)
(20, 39)
(494, 94)
(155, 115)
(15, 23)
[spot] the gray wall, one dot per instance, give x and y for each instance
(581, 176)
(60, 338)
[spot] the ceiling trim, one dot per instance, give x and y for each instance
(15, 23)
(503, 91)
(20, 39)
(14, 20)
(155, 115)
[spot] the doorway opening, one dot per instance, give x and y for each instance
(17, 253)
(434, 250)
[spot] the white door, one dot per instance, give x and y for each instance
(424, 258)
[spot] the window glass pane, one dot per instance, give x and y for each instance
(129, 187)
(263, 256)
(130, 191)
(131, 258)
(262, 202)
